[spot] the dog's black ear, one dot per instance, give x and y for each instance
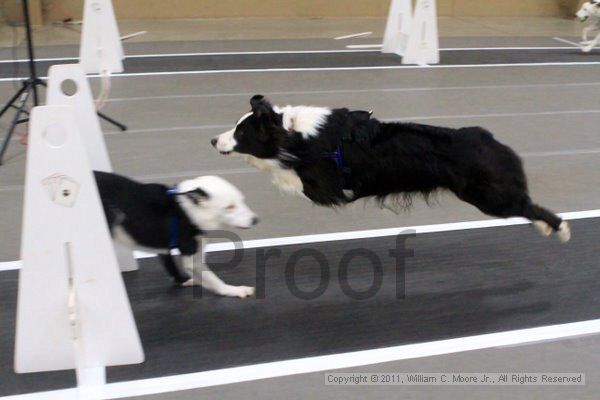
(196, 195)
(260, 105)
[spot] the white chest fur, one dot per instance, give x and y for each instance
(285, 179)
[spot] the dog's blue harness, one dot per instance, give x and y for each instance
(338, 157)
(345, 147)
(173, 224)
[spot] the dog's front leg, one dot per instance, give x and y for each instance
(586, 32)
(592, 44)
(203, 276)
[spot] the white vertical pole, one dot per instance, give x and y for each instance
(423, 42)
(398, 27)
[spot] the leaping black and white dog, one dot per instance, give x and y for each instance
(155, 218)
(337, 156)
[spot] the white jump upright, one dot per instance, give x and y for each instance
(101, 50)
(423, 42)
(398, 27)
(79, 95)
(73, 311)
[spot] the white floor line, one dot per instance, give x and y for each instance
(379, 45)
(404, 118)
(274, 52)
(560, 153)
(341, 91)
(492, 115)
(169, 129)
(237, 171)
(354, 35)
(332, 362)
(366, 234)
(376, 233)
(332, 69)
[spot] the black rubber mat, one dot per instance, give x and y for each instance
(456, 284)
(326, 60)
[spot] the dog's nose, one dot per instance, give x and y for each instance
(213, 141)
(255, 220)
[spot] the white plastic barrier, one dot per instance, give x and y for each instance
(71, 78)
(73, 311)
(398, 27)
(101, 50)
(423, 42)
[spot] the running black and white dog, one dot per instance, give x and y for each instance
(155, 218)
(337, 156)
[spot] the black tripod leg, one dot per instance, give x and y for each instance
(15, 121)
(12, 100)
(103, 116)
(112, 121)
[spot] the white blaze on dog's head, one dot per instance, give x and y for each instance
(211, 201)
(260, 132)
(589, 9)
(225, 142)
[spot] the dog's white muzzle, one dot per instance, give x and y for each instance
(225, 142)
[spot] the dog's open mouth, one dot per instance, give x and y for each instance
(225, 153)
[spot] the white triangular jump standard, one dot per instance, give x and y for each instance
(423, 42)
(73, 311)
(398, 27)
(101, 50)
(71, 78)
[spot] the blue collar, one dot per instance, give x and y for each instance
(173, 224)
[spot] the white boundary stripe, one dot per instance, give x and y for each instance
(376, 233)
(351, 49)
(366, 234)
(333, 69)
(307, 365)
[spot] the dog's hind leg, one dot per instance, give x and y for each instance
(545, 222)
(173, 269)
(202, 275)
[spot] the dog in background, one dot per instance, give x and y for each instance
(590, 10)
(155, 218)
(336, 156)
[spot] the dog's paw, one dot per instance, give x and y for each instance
(564, 232)
(188, 283)
(543, 228)
(238, 291)
(588, 48)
